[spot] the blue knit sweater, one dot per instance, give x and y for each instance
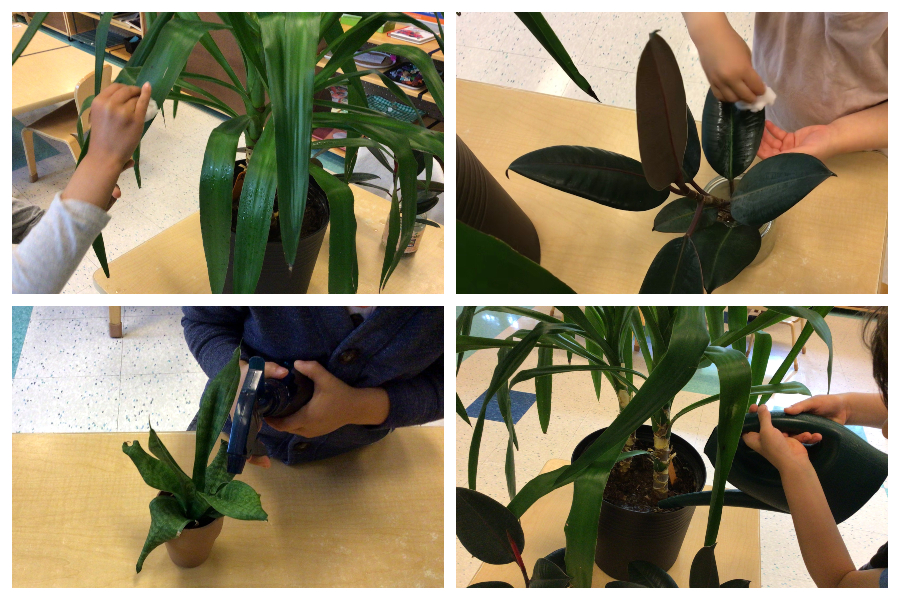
(399, 349)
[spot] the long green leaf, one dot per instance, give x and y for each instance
(426, 66)
(32, 29)
(100, 250)
(734, 399)
(100, 35)
(795, 350)
(543, 33)
(255, 213)
(156, 473)
(817, 320)
(343, 268)
(485, 264)
(149, 41)
(762, 348)
(737, 318)
(356, 95)
(216, 179)
(461, 411)
(210, 45)
(166, 522)
(248, 37)
(791, 387)
(543, 388)
(661, 114)
(406, 171)
(558, 369)
(214, 406)
(597, 175)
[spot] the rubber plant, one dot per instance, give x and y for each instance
(210, 492)
(719, 235)
(674, 342)
(280, 55)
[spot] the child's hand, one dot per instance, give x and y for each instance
(779, 448)
(333, 405)
(726, 60)
(815, 140)
(831, 407)
(117, 122)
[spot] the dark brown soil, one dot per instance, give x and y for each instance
(633, 489)
(313, 216)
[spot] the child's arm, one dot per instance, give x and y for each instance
(826, 557)
(725, 58)
(863, 130)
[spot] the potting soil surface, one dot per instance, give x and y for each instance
(633, 489)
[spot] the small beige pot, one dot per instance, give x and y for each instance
(193, 546)
(719, 187)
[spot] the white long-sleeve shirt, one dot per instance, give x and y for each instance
(53, 249)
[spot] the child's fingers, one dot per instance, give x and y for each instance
(765, 419)
(744, 93)
(260, 461)
(312, 369)
(143, 101)
(775, 131)
(755, 83)
(124, 94)
(752, 440)
(753, 408)
(771, 140)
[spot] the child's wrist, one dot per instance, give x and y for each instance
(373, 406)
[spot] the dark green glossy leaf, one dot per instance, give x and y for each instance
(624, 584)
(547, 574)
(167, 519)
(677, 215)
(461, 411)
(544, 34)
(32, 29)
(289, 46)
(484, 264)
(558, 558)
(491, 584)
(725, 251)
(736, 583)
(734, 399)
(255, 212)
(774, 185)
(674, 270)
(484, 527)
(649, 575)
(214, 406)
(731, 137)
(597, 175)
(661, 114)
(691, 165)
(543, 388)
(343, 268)
(216, 183)
(762, 348)
(704, 573)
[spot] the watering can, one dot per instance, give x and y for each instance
(849, 469)
(261, 398)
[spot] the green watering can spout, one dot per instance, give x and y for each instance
(850, 469)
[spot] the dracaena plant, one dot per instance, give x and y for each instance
(720, 234)
(211, 491)
(674, 342)
(280, 53)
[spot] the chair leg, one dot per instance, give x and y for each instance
(794, 341)
(75, 147)
(115, 321)
(802, 325)
(28, 142)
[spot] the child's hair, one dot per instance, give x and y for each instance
(876, 337)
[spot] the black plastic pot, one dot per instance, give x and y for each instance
(275, 277)
(625, 535)
(482, 203)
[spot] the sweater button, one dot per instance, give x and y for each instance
(301, 446)
(348, 356)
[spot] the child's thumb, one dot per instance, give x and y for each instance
(310, 368)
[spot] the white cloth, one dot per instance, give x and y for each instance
(767, 99)
(53, 249)
(363, 311)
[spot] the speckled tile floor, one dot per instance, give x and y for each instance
(576, 413)
(496, 48)
(73, 377)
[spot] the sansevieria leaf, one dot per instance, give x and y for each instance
(597, 175)
(661, 114)
(167, 519)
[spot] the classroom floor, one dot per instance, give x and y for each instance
(70, 376)
(171, 158)
(496, 48)
(576, 413)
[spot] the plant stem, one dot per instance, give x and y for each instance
(624, 397)
(697, 214)
(697, 187)
(661, 453)
(519, 560)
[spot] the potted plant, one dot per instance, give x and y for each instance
(722, 224)
(674, 342)
(280, 53)
(187, 514)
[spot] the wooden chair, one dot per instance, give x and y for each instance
(795, 323)
(61, 124)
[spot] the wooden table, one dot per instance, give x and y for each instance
(173, 262)
(831, 242)
(370, 518)
(737, 552)
(46, 78)
(41, 42)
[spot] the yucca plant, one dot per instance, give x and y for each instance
(280, 53)
(720, 233)
(211, 492)
(674, 342)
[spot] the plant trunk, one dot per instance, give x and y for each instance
(662, 431)
(624, 397)
(256, 109)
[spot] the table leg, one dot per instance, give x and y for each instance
(115, 321)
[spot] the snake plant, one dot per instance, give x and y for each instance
(211, 492)
(674, 342)
(280, 52)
